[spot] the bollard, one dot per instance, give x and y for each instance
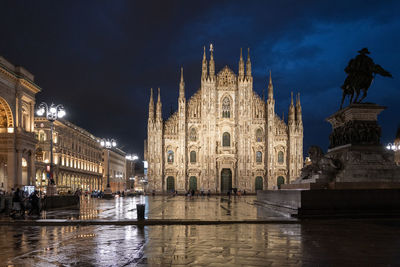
(140, 211)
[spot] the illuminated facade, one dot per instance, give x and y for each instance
(225, 136)
(17, 139)
(76, 156)
(117, 169)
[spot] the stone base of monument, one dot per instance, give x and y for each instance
(357, 177)
(108, 193)
(333, 203)
(51, 190)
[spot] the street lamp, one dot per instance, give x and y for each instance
(52, 113)
(393, 147)
(132, 158)
(108, 144)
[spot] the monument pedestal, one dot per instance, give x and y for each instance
(51, 190)
(357, 176)
(108, 193)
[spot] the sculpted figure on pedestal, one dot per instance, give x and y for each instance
(361, 71)
(320, 165)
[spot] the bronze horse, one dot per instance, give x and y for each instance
(361, 72)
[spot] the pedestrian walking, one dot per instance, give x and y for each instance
(16, 204)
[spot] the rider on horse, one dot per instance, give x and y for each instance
(361, 71)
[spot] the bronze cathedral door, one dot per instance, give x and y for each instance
(226, 180)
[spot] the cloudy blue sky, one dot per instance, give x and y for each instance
(100, 58)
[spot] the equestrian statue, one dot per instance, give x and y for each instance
(361, 71)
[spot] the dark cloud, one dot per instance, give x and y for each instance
(100, 58)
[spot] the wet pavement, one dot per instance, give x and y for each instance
(324, 243)
(164, 207)
(306, 243)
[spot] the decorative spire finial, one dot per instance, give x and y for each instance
(248, 64)
(211, 64)
(291, 98)
(241, 66)
(270, 87)
(204, 65)
(182, 86)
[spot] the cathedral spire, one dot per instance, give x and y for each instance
(298, 110)
(182, 86)
(270, 87)
(212, 64)
(241, 66)
(151, 106)
(204, 65)
(291, 116)
(159, 105)
(248, 64)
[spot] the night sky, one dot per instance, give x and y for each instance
(100, 58)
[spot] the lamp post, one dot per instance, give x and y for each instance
(132, 158)
(52, 113)
(393, 147)
(108, 144)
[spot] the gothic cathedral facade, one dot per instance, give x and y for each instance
(225, 136)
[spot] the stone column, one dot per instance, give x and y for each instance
(31, 169)
(32, 116)
(18, 169)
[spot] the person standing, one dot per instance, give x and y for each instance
(16, 206)
(34, 203)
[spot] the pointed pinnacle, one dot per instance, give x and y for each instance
(241, 55)
(291, 101)
(181, 74)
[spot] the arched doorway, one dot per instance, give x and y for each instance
(279, 181)
(170, 184)
(193, 183)
(226, 180)
(6, 117)
(259, 183)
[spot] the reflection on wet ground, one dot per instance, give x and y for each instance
(164, 207)
(323, 243)
(308, 243)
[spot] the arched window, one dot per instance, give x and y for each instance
(280, 157)
(226, 107)
(226, 139)
(192, 156)
(170, 156)
(193, 135)
(3, 117)
(259, 135)
(258, 156)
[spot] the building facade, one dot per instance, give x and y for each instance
(17, 139)
(117, 164)
(77, 157)
(225, 136)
